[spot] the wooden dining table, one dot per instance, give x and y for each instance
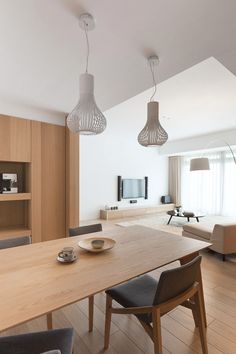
(34, 283)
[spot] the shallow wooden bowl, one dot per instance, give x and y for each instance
(87, 244)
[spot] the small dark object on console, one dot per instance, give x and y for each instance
(166, 199)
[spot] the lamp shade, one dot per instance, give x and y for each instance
(199, 164)
(152, 134)
(86, 118)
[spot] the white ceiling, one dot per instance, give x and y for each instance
(198, 101)
(42, 49)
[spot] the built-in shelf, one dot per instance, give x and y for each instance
(15, 196)
(134, 211)
(16, 231)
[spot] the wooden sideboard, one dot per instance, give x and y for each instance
(134, 211)
(46, 159)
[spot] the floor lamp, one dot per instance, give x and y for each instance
(202, 163)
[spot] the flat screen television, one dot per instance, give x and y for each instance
(129, 188)
(133, 188)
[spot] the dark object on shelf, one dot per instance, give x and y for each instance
(8, 183)
(133, 201)
(114, 208)
(166, 199)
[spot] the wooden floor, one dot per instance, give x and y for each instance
(178, 331)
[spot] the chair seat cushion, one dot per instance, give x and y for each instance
(136, 293)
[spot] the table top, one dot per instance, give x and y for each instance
(33, 283)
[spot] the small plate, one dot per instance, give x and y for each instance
(62, 260)
(87, 245)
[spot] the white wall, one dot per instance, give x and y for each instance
(117, 152)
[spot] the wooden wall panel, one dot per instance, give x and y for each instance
(35, 183)
(20, 139)
(15, 139)
(53, 182)
(72, 179)
(46, 159)
(4, 139)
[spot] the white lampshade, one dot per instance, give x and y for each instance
(86, 118)
(153, 134)
(199, 164)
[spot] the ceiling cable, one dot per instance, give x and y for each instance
(87, 41)
(152, 65)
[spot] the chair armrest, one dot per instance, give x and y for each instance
(224, 238)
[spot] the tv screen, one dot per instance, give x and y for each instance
(133, 188)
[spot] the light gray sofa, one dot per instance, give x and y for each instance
(222, 236)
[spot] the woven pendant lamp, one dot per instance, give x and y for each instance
(153, 134)
(86, 118)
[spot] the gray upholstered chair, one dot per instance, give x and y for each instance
(54, 341)
(83, 230)
(22, 241)
(15, 242)
(149, 299)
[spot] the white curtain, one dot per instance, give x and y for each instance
(175, 179)
(212, 192)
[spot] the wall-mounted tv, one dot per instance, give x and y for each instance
(129, 188)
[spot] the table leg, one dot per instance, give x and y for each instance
(197, 219)
(169, 220)
(49, 321)
(187, 259)
(188, 219)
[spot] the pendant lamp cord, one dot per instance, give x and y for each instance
(88, 49)
(153, 79)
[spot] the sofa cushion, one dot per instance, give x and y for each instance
(201, 230)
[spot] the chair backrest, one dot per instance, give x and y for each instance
(82, 230)
(175, 281)
(39, 342)
(15, 242)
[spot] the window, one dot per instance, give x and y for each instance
(214, 191)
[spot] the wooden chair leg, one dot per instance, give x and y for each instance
(49, 321)
(201, 323)
(91, 309)
(107, 321)
(156, 320)
(195, 317)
